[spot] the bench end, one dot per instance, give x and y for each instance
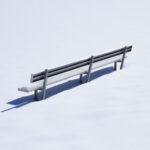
(23, 89)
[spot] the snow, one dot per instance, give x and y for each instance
(111, 112)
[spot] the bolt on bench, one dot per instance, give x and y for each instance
(41, 80)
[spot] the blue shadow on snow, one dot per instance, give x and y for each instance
(52, 91)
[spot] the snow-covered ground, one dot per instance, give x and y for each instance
(112, 112)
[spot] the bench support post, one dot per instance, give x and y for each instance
(115, 65)
(123, 58)
(36, 95)
(90, 67)
(81, 78)
(44, 85)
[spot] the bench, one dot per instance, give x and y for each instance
(41, 80)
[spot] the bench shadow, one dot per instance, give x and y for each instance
(52, 91)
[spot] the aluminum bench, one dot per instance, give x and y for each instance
(41, 80)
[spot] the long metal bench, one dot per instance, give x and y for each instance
(41, 80)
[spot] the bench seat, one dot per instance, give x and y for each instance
(65, 75)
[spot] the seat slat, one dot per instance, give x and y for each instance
(65, 75)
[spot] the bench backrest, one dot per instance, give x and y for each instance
(81, 64)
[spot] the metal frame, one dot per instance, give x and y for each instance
(115, 65)
(44, 85)
(90, 67)
(36, 95)
(43, 89)
(81, 78)
(123, 58)
(122, 61)
(48, 73)
(65, 68)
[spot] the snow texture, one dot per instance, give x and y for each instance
(112, 112)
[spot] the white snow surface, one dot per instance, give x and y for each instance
(112, 112)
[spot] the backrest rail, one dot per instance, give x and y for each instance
(62, 69)
(78, 62)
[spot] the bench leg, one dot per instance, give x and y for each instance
(36, 95)
(90, 68)
(44, 94)
(44, 85)
(123, 58)
(115, 65)
(81, 78)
